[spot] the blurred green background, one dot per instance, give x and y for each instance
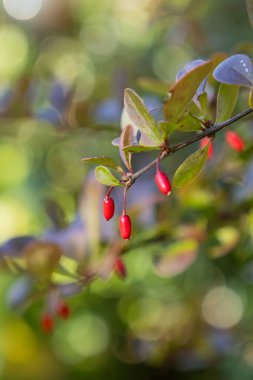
(185, 309)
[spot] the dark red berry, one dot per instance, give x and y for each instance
(63, 310)
(125, 226)
(207, 141)
(47, 323)
(108, 208)
(120, 268)
(235, 141)
(163, 182)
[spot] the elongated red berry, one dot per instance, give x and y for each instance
(205, 141)
(108, 208)
(120, 268)
(125, 226)
(63, 310)
(47, 323)
(235, 141)
(163, 182)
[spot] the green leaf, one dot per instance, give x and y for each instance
(182, 92)
(178, 257)
(104, 176)
(189, 124)
(191, 167)
(166, 127)
(126, 139)
(139, 148)
(250, 99)
(202, 98)
(103, 160)
(139, 115)
(153, 85)
(226, 101)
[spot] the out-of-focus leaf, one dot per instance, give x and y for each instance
(167, 128)
(189, 124)
(227, 238)
(182, 92)
(191, 167)
(19, 292)
(249, 4)
(106, 161)
(177, 258)
(153, 85)
(14, 246)
(104, 176)
(226, 101)
(237, 69)
(42, 258)
(70, 289)
(126, 139)
(139, 115)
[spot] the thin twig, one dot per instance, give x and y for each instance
(174, 148)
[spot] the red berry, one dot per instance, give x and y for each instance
(205, 141)
(108, 208)
(235, 141)
(63, 310)
(47, 323)
(120, 268)
(125, 226)
(163, 182)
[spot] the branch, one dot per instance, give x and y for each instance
(174, 148)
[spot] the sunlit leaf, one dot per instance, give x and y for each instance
(182, 92)
(104, 176)
(178, 257)
(226, 101)
(191, 167)
(143, 120)
(103, 160)
(139, 148)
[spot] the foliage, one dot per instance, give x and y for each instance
(175, 301)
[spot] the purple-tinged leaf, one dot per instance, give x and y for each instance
(237, 69)
(126, 139)
(183, 91)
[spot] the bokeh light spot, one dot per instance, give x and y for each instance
(13, 51)
(22, 9)
(222, 307)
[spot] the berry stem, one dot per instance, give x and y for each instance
(124, 200)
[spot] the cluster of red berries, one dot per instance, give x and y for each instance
(47, 319)
(125, 227)
(232, 139)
